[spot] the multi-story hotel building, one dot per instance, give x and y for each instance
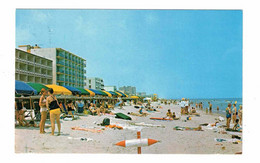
(95, 83)
(68, 68)
(32, 68)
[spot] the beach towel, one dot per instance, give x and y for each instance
(123, 116)
(86, 129)
(138, 114)
(187, 128)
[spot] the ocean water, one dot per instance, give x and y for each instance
(221, 103)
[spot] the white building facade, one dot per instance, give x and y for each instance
(95, 83)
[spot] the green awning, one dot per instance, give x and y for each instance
(83, 91)
(37, 86)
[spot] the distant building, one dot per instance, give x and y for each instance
(68, 68)
(95, 83)
(143, 94)
(110, 88)
(128, 90)
(32, 68)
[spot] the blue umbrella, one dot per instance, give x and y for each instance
(73, 90)
(24, 89)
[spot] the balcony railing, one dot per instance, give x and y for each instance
(61, 71)
(60, 62)
(61, 55)
(60, 79)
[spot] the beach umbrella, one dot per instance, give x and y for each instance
(113, 93)
(97, 92)
(90, 92)
(59, 89)
(136, 97)
(123, 95)
(83, 91)
(37, 86)
(22, 88)
(73, 90)
(109, 94)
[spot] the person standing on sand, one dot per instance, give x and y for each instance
(182, 105)
(217, 108)
(186, 106)
(234, 113)
(53, 106)
(240, 111)
(210, 107)
(43, 110)
(228, 115)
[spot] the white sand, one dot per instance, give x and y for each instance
(28, 140)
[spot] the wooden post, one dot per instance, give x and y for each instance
(31, 109)
(138, 137)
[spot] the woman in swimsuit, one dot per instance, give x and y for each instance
(43, 110)
(228, 115)
(234, 113)
(53, 106)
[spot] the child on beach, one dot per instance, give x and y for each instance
(228, 115)
(237, 126)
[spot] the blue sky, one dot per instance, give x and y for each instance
(174, 53)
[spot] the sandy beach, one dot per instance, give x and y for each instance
(28, 140)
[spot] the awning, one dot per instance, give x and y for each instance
(113, 93)
(97, 92)
(136, 97)
(24, 89)
(109, 94)
(73, 90)
(38, 87)
(90, 92)
(59, 90)
(83, 91)
(123, 95)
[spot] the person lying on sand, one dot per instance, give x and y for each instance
(137, 114)
(141, 111)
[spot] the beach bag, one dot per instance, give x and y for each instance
(106, 122)
(123, 116)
